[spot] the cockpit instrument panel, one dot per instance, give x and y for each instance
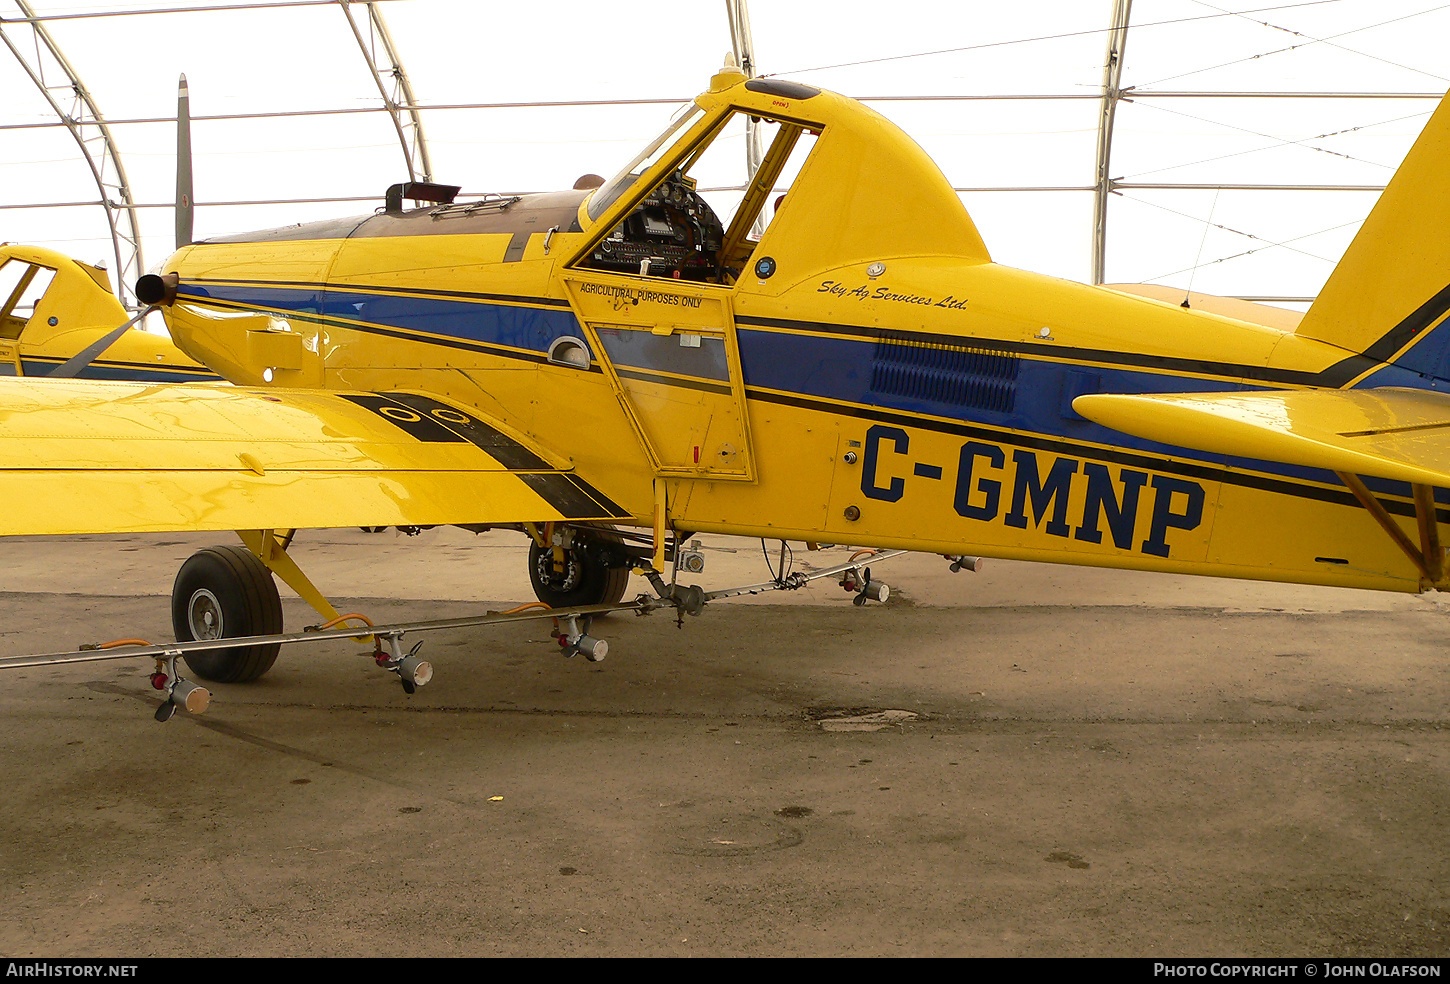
(674, 231)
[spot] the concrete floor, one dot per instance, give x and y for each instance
(1081, 762)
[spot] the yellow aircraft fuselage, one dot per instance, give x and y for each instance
(878, 381)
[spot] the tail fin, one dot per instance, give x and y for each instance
(1391, 290)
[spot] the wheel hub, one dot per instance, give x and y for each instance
(204, 615)
(569, 579)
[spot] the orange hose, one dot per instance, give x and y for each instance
(123, 642)
(524, 608)
(343, 618)
(860, 553)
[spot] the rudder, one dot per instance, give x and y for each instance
(1389, 296)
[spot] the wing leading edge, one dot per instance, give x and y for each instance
(87, 457)
(1399, 434)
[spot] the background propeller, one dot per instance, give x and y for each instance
(185, 208)
(185, 211)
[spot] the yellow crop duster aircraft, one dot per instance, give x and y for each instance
(59, 318)
(623, 357)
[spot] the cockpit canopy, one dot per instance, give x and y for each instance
(845, 183)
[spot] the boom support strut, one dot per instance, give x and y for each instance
(1428, 557)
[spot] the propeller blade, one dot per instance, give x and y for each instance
(184, 205)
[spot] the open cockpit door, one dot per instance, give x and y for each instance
(22, 287)
(654, 284)
(670, 352)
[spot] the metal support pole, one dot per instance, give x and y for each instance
(744, 48)
(1112, 78)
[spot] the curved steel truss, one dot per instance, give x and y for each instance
(395, 89)
(1112, 81)
(58, 82)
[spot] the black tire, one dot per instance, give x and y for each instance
(585, 581)
(232, 591)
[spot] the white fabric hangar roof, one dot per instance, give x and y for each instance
(1220, 177)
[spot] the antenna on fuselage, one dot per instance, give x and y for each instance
(185, 207)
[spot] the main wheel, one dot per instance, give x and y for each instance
(585, 580)
(222, 593)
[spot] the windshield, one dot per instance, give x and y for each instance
(608, 192)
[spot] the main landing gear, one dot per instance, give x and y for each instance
(577, 568)
(221, 593)
(228, 592)
(228, 616)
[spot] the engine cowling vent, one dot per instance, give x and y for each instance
(960, 375)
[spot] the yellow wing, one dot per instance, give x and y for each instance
(1400, 434)
(95, 457)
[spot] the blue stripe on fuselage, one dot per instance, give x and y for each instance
(1393, 375)
(530, 328)
(1430, 354)
(513, 326)
(40, 368)
(839, 369)
(831, 367)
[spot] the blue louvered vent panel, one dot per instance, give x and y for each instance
(955, 374)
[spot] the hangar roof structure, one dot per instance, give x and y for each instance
(1225, 147)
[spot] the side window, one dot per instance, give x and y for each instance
(22, 285)
(782, 149)
(704, 219)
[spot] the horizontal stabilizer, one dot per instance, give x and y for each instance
(1399, 434)
(1228, 307)
(94, 457)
